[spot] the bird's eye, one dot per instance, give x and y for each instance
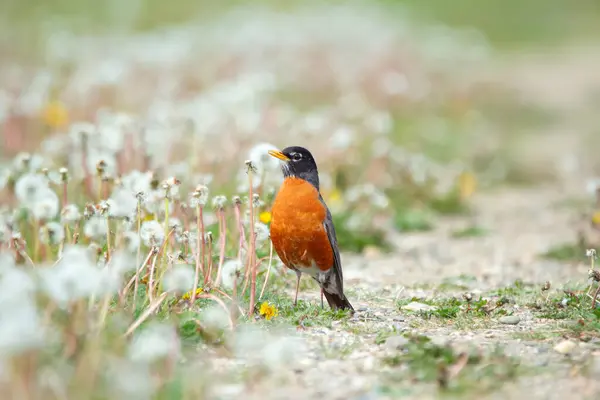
(296, 156)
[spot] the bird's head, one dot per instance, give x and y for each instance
(298, 162)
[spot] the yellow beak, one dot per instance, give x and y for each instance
(279, 155)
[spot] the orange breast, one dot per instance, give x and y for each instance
(297, 230)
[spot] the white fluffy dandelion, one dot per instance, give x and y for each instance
(153, 343)
(262, 232)
(30, 187)
(52, 233)
(95, 228)
(47, 205)
(179, 278)
(74, 277)
(230, 269)
(122, 204)
(152, 233)
(70, 214)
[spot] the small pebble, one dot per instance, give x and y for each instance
(565, 347)
(510, 320)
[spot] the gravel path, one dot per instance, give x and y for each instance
(345, 362)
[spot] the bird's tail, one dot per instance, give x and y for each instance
(337, 301)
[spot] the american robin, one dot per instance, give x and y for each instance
(302, 230)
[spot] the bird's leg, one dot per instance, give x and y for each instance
(298, 273)
(322, 306)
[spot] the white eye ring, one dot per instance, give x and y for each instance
(296, 156)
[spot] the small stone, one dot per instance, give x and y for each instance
(396, 342)
(416, 306)
(565, 347)
(509, 320)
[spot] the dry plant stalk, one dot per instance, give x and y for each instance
(252, 267)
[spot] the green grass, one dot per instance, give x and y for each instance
(567, 252)
(357, 240)
(514, 23)
(469, 232)
(413, 220)
(452, 308)
(305, 314)
(422, 360)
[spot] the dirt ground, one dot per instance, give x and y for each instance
(522, 223)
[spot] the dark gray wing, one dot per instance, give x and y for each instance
(337, 263)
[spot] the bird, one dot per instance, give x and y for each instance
(302, 229)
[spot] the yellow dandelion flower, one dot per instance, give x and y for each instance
(268, 310)
(55, 114)
(265, 217)
(466, 184)
(596, 218)
(188, 295)
(148, 217)
(335, 196)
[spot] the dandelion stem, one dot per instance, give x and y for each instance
(151, 281)
(251, 246)
(268, 269)
(107, 238)
(137, 258)
(222, 242)
(242, 236)
(209, 260)
(146, 313)
(202, 243)
(99, 188)
(36, 240)
(198, 265)
(103, 312)
(136, 278)
(65, 196)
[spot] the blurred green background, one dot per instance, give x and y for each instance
(506, 23)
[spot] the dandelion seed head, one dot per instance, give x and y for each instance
(122, 261)
(153, 202)
(46, 207)
(52, 233)
(137, 182)
(261, 160)
(21, 328)
(590, 253)
(230, 269)
(179, 278)
(130, 380)
(219, 202)
(262, 232)
(152, 233)
(171, 187)
(104, 163)
(122, 204)
(132, 241)
(95, 228)
(214, 318)
(27, 163)
(15, 283)
(74, 277)
(30, 188)
(154, 343)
